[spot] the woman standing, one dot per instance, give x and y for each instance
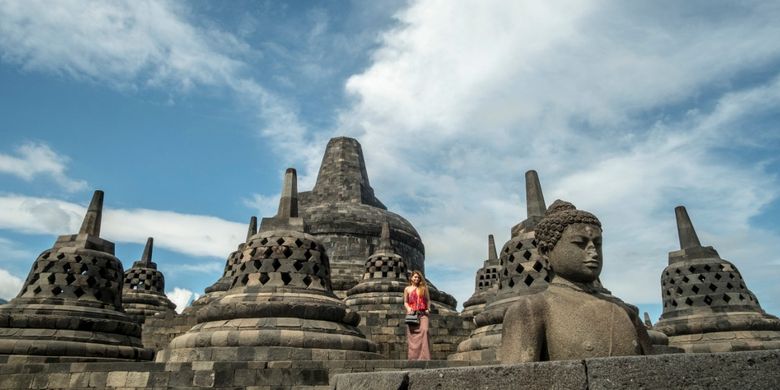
(416, 301)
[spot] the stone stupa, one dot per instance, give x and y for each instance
(344, 214)
(522, 272)
(280, 305)
(484, 282)
(219, 287)
(384, 279)
(707, 305)
(143, 294)
(70, 307)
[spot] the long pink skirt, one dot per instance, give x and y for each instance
(417, 337)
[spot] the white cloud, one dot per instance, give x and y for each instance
(9, 285)
(12, 252)
(139, 45)
(196, 235)
(37, 159)
(213, 268)
(624, 109)
(265, 205)
(181, 297)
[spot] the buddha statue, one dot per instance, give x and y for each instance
(575, 317)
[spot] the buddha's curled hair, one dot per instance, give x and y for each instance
(559, 215)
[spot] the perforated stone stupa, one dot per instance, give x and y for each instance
(280, 305)
(143, 294)
(707, 305)
(384, 279)
(485, 280)
(223, 284)
(70, 306)
(522, 272)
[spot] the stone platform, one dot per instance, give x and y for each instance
(748, 370)
(280, 375)
(735, 370)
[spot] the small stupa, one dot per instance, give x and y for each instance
(280, 305)
(522, 272)
(70, 306)
(219, 287)
(383, 281)
(485, 280)
(707, 305)
(143, 294)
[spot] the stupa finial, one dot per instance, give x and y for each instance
(252, 228)
(384, 238)
(287, 215)
(146, 258)
(492, 255)
(685, 230)
(288, 203)
(534, 198)
(91, 224)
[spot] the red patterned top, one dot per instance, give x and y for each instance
(416, 302)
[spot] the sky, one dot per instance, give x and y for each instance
(187, 113)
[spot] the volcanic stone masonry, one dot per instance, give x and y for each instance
(280, 305)
(707, 306)
(70, 307)
(143, 295)
(523, 272)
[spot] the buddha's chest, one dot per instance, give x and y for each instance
(582, 326)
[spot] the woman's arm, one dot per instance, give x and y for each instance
(406, 301)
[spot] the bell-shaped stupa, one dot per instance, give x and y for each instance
(521, 271)
(70, 307)
(280, 305)
(485, 280)
(143, 294)
(707, 305)
(383, 282)
(223, 284)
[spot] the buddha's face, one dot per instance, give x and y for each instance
(577, 255)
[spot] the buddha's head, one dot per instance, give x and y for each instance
(570, 239)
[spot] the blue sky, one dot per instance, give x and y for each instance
(187, 114)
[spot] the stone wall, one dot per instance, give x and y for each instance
(159, 330)
(388, 331)
(218, 375)
(735, 370)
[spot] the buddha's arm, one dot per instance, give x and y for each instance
(642, 336)
(523, 331)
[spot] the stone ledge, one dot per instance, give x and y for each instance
(753, 370)
(289, 374)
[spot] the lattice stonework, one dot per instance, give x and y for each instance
(487, 277)
(521, 266)
(284, 261)
(144, 279)
(706, 284)
(380, 267)
(57, 274)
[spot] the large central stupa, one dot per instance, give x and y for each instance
(346, 217)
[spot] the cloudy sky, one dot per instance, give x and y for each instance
(187, 114)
